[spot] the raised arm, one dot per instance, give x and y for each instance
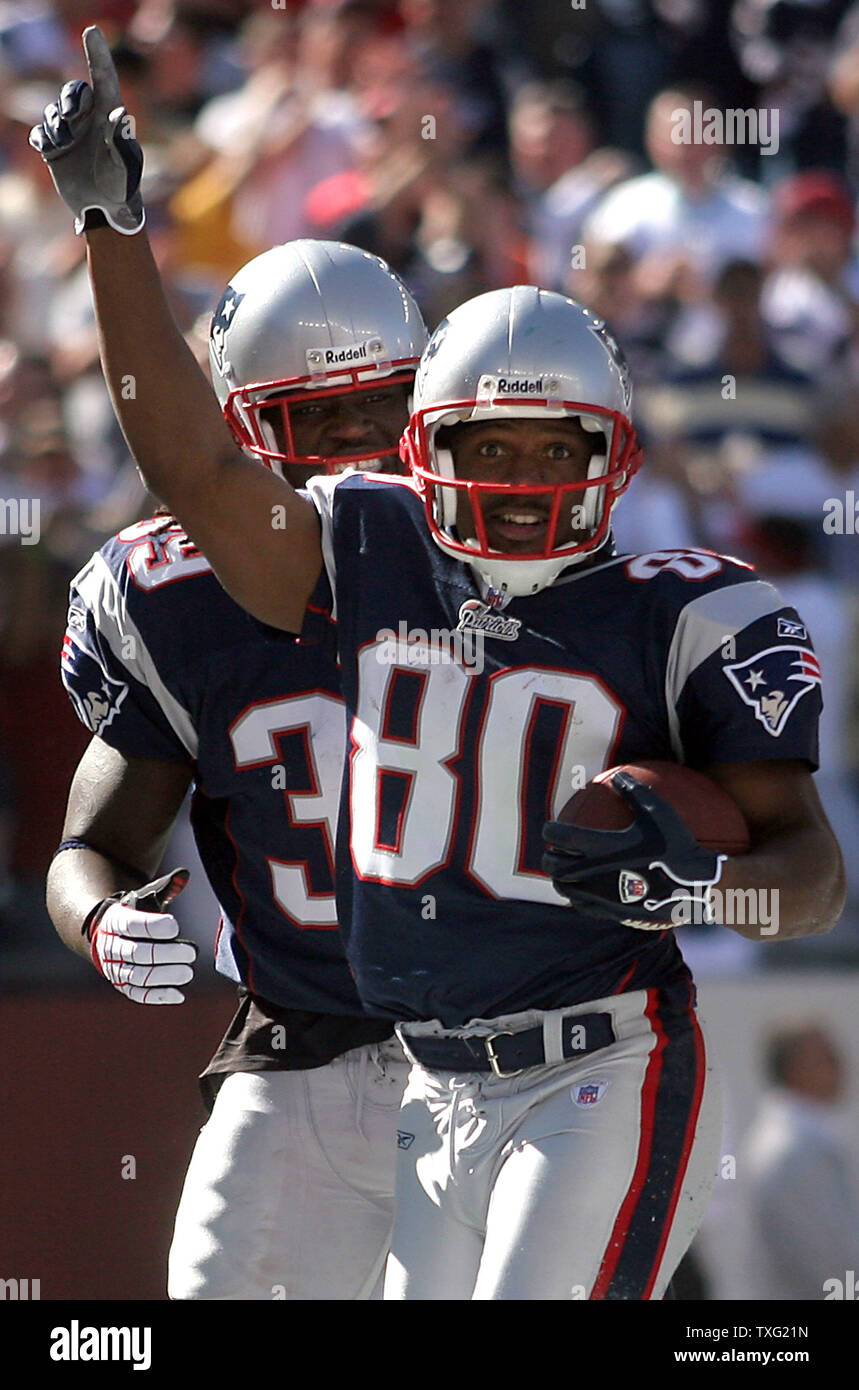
(260, 537)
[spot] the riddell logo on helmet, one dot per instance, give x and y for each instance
(521, 386)
(349, 354)
(324, 357)
(488, 387)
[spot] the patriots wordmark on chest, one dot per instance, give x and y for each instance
(475, 616)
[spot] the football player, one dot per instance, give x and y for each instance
(560, 1132)
(289, 1193)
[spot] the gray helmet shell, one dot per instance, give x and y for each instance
(306, 316)
(522, 352)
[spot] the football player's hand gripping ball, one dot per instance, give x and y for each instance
(136, 944)
(87, 141)
(652, 875)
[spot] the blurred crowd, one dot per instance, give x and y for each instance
(474, 144)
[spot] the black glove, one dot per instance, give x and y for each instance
(652, 875)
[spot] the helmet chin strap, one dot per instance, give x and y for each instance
(270, 441)
(447, 503)
(594, 496)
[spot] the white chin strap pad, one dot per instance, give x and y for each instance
(594, 496)
(446, 502)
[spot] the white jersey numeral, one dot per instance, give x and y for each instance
(423, 839)
(591, 720)
(429, 799)
(321, 719)
(163, 557)
(689, 564)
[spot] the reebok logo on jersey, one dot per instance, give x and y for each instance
(404, 1139)
(479, 617)
(788, 628)
(773, 682)
(589, 1092)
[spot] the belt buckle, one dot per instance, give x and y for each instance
(493, 1057)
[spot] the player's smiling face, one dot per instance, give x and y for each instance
(521, 451)
(350, 422)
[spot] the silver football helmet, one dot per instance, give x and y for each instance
(527, 353)
(303, 321)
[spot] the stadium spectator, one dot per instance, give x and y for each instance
(468, 239)
(268, 143)
(738, 410)
(446, 41)
(784, 48)
(811, 299)
(796, 1169)
(690, 215)
(557, 172)
(603, 276)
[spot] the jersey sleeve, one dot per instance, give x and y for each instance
(111, 678)
(742, 681)
(321, 492)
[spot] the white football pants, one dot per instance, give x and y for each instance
(581, 1180)
(289, 1193)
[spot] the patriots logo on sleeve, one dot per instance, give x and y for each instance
(773, 682)
(96, 708)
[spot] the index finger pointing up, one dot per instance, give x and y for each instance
(102, 73)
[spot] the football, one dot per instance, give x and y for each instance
(713, 816)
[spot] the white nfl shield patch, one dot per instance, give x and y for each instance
(631, 887)
(589, 1092)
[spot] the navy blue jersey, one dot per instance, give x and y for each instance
(161, 663)
(472, 725)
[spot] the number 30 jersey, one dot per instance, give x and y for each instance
(161, 663)
(471, 725)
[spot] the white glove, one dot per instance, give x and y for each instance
(136, 946)
(86, 139)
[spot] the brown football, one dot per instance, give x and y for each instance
(706, 809)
